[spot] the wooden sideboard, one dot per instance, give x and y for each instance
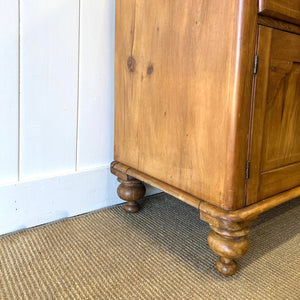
(207, 109)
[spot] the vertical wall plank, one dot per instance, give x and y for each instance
(8, 90)
(48, 82)
(96, 83)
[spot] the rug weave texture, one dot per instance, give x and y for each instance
(161, 252)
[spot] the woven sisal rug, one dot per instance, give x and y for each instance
(160, 252)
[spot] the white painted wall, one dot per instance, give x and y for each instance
(56, 110)
(8, 91)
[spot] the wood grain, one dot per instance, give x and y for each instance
(282, 117)
(287, 10)
(229, 245)
(183, 93)
(208, 212)
(127, 173)
(277, 180)
(228, 237)
(131, 190)
(277, 24)
(276, 136)
(187, 122)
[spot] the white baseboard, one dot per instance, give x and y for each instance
(39, 201)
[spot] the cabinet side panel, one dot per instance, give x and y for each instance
(176, 90)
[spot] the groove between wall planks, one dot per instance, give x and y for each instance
(78, 72)
(96, 83)
(63, 99)
(56, 91)
(19, 91)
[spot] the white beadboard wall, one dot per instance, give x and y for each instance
(56, 110)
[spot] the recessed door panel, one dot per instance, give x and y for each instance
(281, 142)
(275, 153)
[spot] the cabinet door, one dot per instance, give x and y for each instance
(275, 149)
(287, 10)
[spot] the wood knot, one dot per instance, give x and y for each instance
(131, 64)
(150, 69)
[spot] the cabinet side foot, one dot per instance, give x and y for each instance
(131, 190)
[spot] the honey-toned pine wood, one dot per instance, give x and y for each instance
(287, 10)
(228, 237)
(183, 92)
(260, 91)
(229, 245)
(208, 212)
(277, 24)
(282, 116)
(278, 180)
(131, 190)
(124, 172)
(201, 117)
(219, 217)
(275, 153)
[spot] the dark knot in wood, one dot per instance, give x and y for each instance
(131, 64)
(150, 69)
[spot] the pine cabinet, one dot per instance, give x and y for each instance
(207, 108)
(275, 145)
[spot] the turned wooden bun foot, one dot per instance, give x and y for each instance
(131, 207)
(229, 245)
(226, 266)
(131, 190)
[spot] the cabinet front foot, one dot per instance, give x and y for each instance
(229, 245)
(226, 266)
(131, 190)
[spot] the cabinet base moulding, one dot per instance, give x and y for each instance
(229, 228)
